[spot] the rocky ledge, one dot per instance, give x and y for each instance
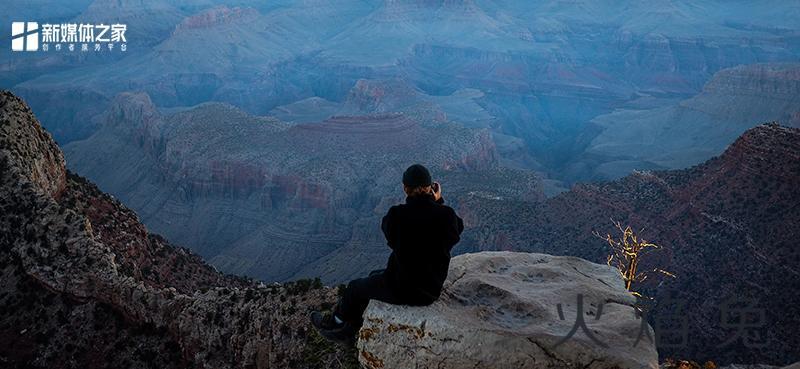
(513, 310)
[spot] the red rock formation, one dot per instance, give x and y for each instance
(298, 183)
(135, 115)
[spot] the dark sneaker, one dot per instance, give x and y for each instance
(325, 321)
(327, 327)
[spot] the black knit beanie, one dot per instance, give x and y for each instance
(417, 176)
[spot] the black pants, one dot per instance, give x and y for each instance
(356, 296)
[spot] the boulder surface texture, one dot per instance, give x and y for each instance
(501, 310)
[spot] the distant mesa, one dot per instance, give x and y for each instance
(216, 16)
(365, 124)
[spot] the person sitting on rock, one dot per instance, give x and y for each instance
(421, 234)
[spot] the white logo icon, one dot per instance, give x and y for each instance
(24, 36)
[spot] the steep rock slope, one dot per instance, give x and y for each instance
(85, 285)
(729, 228)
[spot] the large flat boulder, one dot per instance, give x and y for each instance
(501, 310)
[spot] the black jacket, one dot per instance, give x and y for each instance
(421, 234)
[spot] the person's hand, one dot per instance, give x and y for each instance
(436, 188)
